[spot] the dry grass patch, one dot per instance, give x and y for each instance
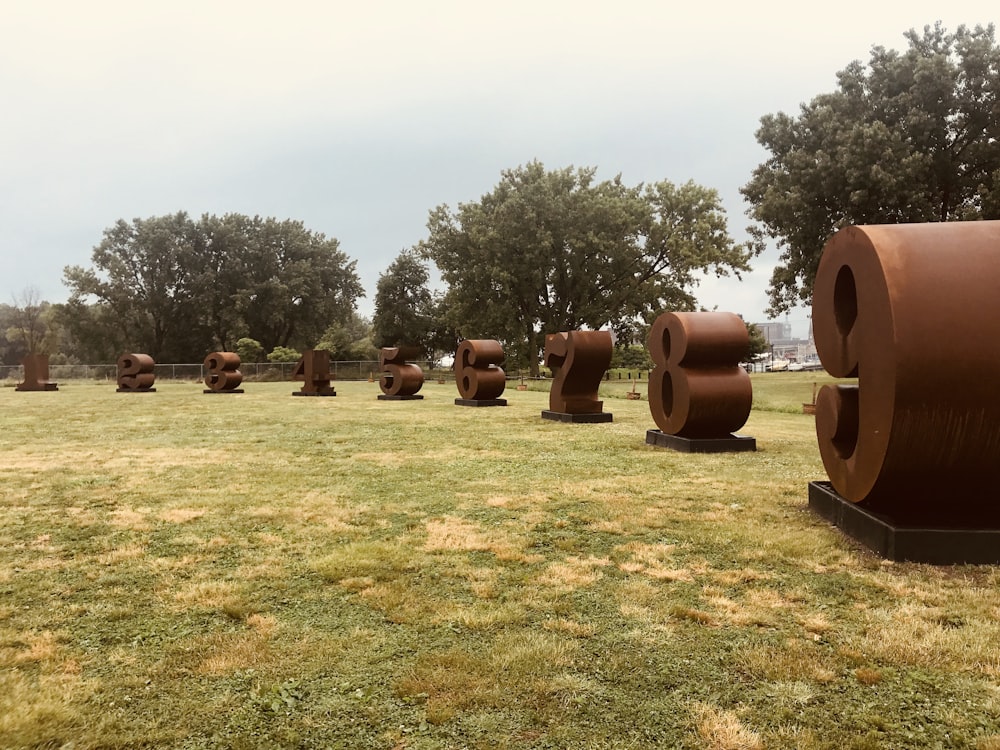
(453, 534)
(572, 574)
(795, 660)
(181, 515)
(207, 594)
(572, 628)
(224, 653)
(719, 729)
(118, 555)
(41, 710)
(134, 519)
(920, 636)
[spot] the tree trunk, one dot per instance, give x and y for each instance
(533, 370)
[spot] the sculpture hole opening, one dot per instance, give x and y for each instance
(668, 394)
(845, 300)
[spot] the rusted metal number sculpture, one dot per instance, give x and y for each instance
(135, 373)
(478, 376)
(912, 311)
(36, 374)
(400, 379)
(698, 392)
(580, 359)
(222, 373)
(313, 368)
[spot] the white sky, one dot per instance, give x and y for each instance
(359, 118)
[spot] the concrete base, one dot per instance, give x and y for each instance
(43, 387)
(330, 392)
(730, 444)
(480, 402)
(235, 390)
(387, 397)
(937, 542)
(135, 390)
(559, 416)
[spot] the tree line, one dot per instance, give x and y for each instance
(912, 136)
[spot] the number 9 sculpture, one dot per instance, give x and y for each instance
(912, 311)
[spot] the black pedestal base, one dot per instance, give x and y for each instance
(135, 390)
(42, 388)
(731, 444)
(330, 392)
(235, 390)
(559, 416)
(387, 397)
(480, 402)
(902, 540)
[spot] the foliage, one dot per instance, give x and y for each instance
(631, 357)
(914, 137)
(249, 350)
(405, 311)
(31, 328)
(550, 251)
(758, 341)
(350, 341)
(175, 288)
(283, 354)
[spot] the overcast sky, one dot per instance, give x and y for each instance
(359, 118)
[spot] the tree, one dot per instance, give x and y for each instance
(148, 280)
(287, 283)
(350, 341)
(284, 354)
(176, 288)
(31, 329)
(913, 137)
(550, 251)
(758, 342)
(249, 350)
(404, 306)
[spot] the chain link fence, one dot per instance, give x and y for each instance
(252, 371)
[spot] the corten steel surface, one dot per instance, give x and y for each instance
(36, 374)
(313, 368)
(223, 372)
(399, 377)
(135, 373)
(913, 311)
(697, 388)
(477, 374)
(581, 359)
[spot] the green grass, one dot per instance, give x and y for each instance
(181, 570)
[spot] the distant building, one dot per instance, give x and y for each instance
(775, 331)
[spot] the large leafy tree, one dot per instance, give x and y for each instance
(404, 305)
(146, 273)
(914, 136)
(286, 283)
(557, 250)
(176, 288)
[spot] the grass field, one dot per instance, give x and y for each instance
(182, 570)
